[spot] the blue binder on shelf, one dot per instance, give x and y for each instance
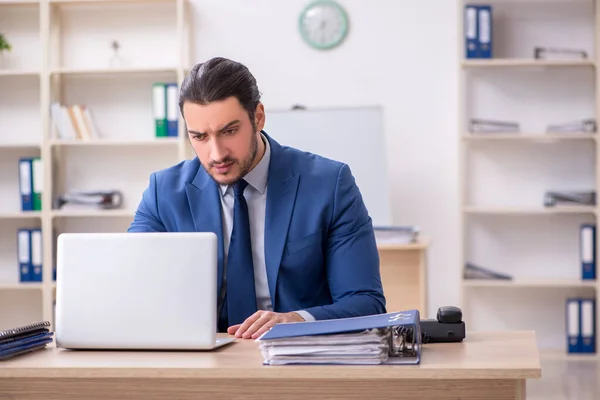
(471, 31)
(24, 254)
(484, 31)
(36, 255)
(391, 338)
(588, 325)
(587, 251)
(573, 325)
(26, 183)
(172, 109)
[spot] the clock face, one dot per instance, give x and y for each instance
(323, 24)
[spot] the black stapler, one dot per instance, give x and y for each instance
(448, 327)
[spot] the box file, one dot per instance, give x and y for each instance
(391, 338)
(37, 174)
(159, 103)
(24, 254)
(588, 325)
(484, 31)
(36, 255)
(573, 325)
(471, 32)
(587, 251)
(26, 183)
(172, 109)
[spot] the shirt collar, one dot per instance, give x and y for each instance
(257, 178)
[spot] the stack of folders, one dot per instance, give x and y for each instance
(392, 338)
(165, 101)
(30, 254)
(24, 339)
(478, 31)
(31, 183)
(581, 325)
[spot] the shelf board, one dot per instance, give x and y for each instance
(109, 1)
(18, 72)
(529, 283)
(167, 141)
(17, 146)
(533, 137)
(19, 2)
(524, 62)
(21, 286)
(529, 210)
(20, 215)
(560, 354)
(113, 71)
(92, 213)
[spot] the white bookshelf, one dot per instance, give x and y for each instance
(503, 176)
(62, 52)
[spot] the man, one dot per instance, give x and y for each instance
(295, 240)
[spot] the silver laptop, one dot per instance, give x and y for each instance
(137, 291)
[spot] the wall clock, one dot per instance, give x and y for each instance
(323, 24)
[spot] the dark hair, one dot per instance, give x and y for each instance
(218, 79)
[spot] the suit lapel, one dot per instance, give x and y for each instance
(281, 195)
(205, 206)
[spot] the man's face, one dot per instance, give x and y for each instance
(223, 137)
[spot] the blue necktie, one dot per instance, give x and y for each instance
(240, 296)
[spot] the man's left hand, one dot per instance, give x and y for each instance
(260, 322)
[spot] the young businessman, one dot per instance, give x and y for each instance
(295, 240)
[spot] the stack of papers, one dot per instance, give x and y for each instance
(396, 234)
(376, 339)
(366, 347)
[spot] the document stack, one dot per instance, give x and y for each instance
(581, 325)
(569, 198)
(585, 125)
(396, 234)
(99, 199)
(24, 339)
(392, 338)
(493, 126)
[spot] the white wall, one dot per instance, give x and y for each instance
(400, 54)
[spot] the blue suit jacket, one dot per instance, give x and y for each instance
(320, 248)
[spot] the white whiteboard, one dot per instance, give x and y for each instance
(354, 136)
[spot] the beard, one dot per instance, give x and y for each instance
(241, 166)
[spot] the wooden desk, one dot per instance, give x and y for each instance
(403, 271)
(486, 366)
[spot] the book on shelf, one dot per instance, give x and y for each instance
(73, 122)
(165, 100)
(31, 183)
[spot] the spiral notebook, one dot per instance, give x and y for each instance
(24, 339)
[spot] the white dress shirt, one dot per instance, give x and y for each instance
(256, 198)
